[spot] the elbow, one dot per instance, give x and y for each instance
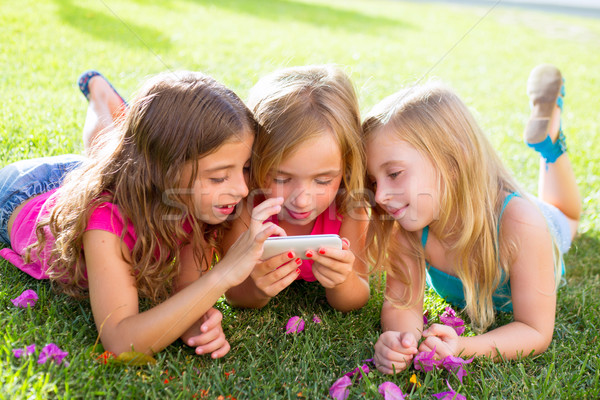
(346, 306)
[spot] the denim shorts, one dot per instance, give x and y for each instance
(28, 178)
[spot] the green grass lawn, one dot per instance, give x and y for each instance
(383, 45)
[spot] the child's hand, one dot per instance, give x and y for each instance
(444, 338)
(207, 335)
(332, 266)
(245, 253)
(276, 273)
(394, 351)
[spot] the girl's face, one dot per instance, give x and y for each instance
(221, 180)
(405, 180)
(308, 180)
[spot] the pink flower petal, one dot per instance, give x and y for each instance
(358, 370)
(339, 390)
(26, 299)
(456, 364)
(425, 361)
(29, 350)
(449, 318)
(450, 395)
(390, 391)
(52, 352)
(316, 319)
(294, 325)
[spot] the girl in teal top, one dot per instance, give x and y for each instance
(449, 214)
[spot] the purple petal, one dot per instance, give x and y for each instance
(450, 395)
(360, 370)
(425, 361)
(461, 374)
(339, 390)
(24, 352)
(30, 349)
(294, 325)
(25, 299)
(452, 363)
(52, 352)
(390, 391)
(449, 318)
(316, 319)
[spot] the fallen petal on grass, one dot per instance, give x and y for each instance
(316, 319)
(450, 395)
(339, 390)
(52, 352)
(294, 325)
(449, 318)
(390, 391)
(424, 361)
(358, 370)
(456, 364)
(26, 299)
(27, 351)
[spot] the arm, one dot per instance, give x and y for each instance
(114, 297)
(344, 273)
(206, 334)
(533, 294)
(267, 279)
(401, 327)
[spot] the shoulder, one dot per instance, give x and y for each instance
(522, 217)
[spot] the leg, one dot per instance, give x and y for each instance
(105, 107)
(557, 184)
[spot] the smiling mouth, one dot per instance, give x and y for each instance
(396, 212)
(298, 215)
(226, 209)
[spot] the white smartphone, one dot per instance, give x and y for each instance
(299, 244)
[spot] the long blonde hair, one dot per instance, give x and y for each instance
(176, 118)
(473, 183)
(296, 104)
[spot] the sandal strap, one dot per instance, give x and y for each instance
(550, 151)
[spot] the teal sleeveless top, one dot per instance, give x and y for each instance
(450, 288)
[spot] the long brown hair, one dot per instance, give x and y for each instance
(296, 104)
(175, 119)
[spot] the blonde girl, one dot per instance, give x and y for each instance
(142, 218)
(310, 154)
(448, 213)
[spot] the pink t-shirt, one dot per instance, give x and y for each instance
(328, 222)
(106, 218)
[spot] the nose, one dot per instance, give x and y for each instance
(301, 197)
(240, 186)
(381, 194)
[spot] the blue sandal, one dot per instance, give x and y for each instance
(545, 88)
(84, 81)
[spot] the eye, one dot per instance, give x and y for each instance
(218, 180)
(281, 181)
(323, 181)
(394, 175)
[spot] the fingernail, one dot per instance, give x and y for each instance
(298, 261)
(291, 254)
(309, 253)
(346, 241)
(198, 351)
(297, 270)
(321, 251)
